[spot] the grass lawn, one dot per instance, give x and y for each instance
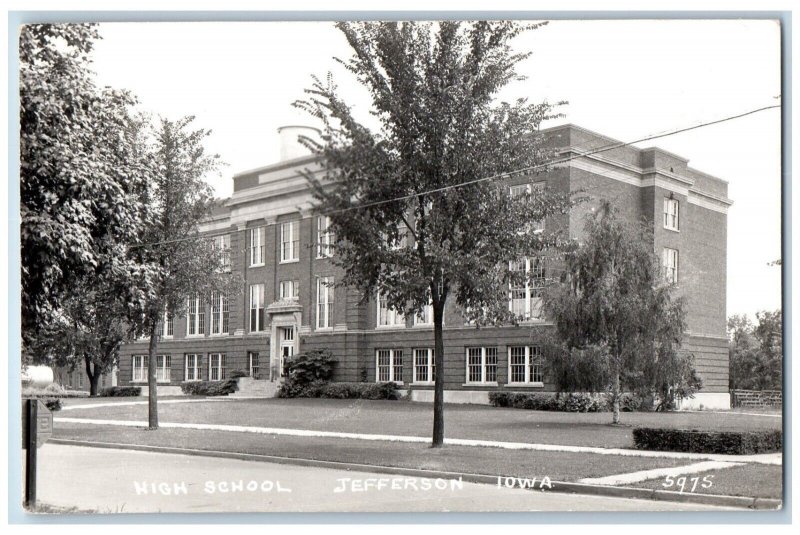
(416, 419)
(492, 461)
(763, 481)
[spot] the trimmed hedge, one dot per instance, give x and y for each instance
(120, 391)
(236, 374)
(696, 441)
(210, 388)
(562, 401)
(324, 389)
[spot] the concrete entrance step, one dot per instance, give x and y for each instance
(255, 388)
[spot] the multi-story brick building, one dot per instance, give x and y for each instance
(287, 306)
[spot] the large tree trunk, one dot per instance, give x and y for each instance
(438, 389)
(615, 394)
(152, 395)
(94, 376)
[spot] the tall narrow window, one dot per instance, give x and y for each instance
(219, 314)
(256, 307)
(481, 364)
(324, 302)
(163, 368)
(252, 357)
(522, 190)
(216, 366)
(670, 265)
(222, 246)
(525, 364)
(525, 292)
(290, 241)
(139, 365)
(325, 237)
(425, 317)
(192, 367)
(196, 317)
(389, 365)
(167, 327)
(387, 316)
(424, 367)
(671, 214)
(257, 246)
(398, 242)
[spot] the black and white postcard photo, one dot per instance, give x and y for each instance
(397, 265)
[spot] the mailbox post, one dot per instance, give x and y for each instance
(37, 426)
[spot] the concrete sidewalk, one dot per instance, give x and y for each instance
(125, 481)
(767, 458)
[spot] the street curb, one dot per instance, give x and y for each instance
(557, 486)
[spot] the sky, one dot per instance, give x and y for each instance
(624, 79)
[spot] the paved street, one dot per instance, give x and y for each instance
(113, 481)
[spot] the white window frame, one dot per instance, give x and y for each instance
(429, 365)
(394, 318)
(672, 211)
(484, 354)
(254, 370)
(325, 237)
(533, 292)
(671, 265)
(196, 368)
(427, 312)
(220, 314)
(293, 287)
(256, 246)
(222, 245)
(167, 328)
(402, 238)
(257, 298)
(324, 303)
(219, 368)
(199, 324)
(138, 369)
(163, 368)
(532, 359)
(393, 368)
(518, 190)
(289, 249)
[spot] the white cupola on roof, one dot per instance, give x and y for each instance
(290, 146)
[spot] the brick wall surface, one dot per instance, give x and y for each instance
(355, 337)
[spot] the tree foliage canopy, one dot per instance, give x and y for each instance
(420, 205)
(756, 351)
(82, 169)
(614, 308)
(427, 222)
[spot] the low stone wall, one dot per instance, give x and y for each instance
(756, 398)
(163, 390)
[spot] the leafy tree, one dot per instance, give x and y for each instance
(743, 353)
(756, 351)
(82, 170)
(87, 329)
(175, 260)
(613, 306)
(418, 218)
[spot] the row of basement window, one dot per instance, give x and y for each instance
(524, 366)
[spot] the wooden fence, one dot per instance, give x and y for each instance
(756, 398)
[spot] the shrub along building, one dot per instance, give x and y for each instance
(288, 304)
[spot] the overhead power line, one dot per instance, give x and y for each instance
(545, 165)
(509, 174)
